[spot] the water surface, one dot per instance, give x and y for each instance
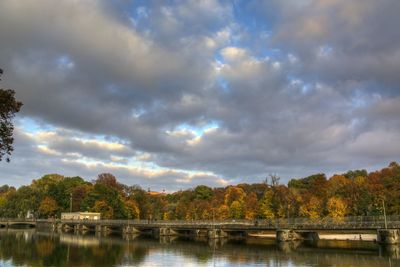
(34, 248)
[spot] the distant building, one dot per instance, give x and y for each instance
(154, 193)
(80, 215)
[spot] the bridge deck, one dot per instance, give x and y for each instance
(347, 223)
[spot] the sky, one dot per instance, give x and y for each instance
(173, 94)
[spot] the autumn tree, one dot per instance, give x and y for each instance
(251, 205)
(8, 107)
(236, 210)
(48, 207)
(311, 208)
(337, 208)
(337, 185)
(222, 212)
(79, 192)
(110, 199)
(234, 199)
(234, 193)
(104, 208)
(109, 180)
(137, 194)
(265, 205)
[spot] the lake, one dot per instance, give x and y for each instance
(35, 248)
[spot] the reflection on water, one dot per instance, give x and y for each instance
(33, 248)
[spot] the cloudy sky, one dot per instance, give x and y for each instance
(171, 94)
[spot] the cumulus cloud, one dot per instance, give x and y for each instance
(179, 93)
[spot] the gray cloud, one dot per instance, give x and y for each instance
(205, 91)
(338, 40)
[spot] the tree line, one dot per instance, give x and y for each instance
(354, 193)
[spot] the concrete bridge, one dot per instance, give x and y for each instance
(17, 223)
(387, 229)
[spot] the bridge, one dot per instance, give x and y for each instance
(17, 223)
(387, 228)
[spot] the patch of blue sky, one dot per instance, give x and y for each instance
(105, 138)
(258, 29)
(325, 51)
(33, 126)
(198, 130)
(218, 58)
(358, 100)
(223, 84)
(30, 125)
(306, 88)
(64, 62)
(248, 19)
(268, 52)
(300, 84)
(137, 112)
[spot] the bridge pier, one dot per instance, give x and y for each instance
(216, 233)
(200, 233)
(283, 235)
(165, 231)
(102, 229)
(388, 236)
(66, 227)
(129, 229)
(78, 228)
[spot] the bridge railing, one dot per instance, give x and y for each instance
(351, 221)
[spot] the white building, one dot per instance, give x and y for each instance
(80, 215)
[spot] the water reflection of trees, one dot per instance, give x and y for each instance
(32, 249)
(50, 249)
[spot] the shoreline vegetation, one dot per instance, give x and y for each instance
(354, 193)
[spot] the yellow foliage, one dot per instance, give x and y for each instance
(222, 212)
(337, 208)
(250, 215)
(133, 209)
(265, 205)
(48, 206)
(234, 193)
(167, 216)
(311, 209)
(236, 210)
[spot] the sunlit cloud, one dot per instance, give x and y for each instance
(179, 93)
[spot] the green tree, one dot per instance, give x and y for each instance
(63, 190)
(203, 192)
(19, 202)
(111, 198)
(8, 107)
